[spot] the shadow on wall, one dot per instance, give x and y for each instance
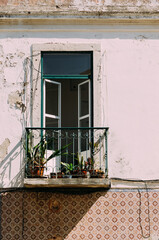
(68, 214)
(48, 214)
(12, 163)
(11, 168)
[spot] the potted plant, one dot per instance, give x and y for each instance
(97, 174)
(36, 155)
(67, 169)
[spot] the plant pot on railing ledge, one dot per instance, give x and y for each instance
(80, 174)
(35, 171)
(56, 175)
(97, 174)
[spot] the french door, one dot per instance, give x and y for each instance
(52, 103)
(52, 118)
(84, 119)
(52, 107)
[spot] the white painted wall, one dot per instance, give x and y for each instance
(133, 108)
(130, 90)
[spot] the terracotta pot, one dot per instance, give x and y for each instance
(59, 175)
(52, 175)
(40, 171)
(37, 171)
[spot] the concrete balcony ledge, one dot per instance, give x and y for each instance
(67, 183)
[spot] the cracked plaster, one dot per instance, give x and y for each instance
(4, 148)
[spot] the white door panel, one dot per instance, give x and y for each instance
(84, 113)
(52, 118)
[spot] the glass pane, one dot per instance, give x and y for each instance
(84, 100)
(52, 136)
(84, 122)
(67, 63)
(84, 134)
(50, 122)
(51, 98)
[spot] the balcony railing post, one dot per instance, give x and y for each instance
(67, 147)
(87, 137)
(100, 149)
(73, 135)
(106, 153)
(26, 152)
(92, 145)
(46, 150)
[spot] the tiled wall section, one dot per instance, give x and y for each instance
(46, 215)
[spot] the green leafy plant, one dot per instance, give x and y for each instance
(36, 155)
(80, 161)
(68, 167)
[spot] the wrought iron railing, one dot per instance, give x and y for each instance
(66, 152)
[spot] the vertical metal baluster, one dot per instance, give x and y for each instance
(40, 152)
(26, 153)
(53, 136)
(67, 147)
(32, 146)
(73, 150)
(100, 150)
(106, 154)
(53, 148)
(79, 147)
(93, 140)
(59, 147)
(46, 149)
(92, 145)
(86, 145)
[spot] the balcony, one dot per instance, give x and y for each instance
(66, 157)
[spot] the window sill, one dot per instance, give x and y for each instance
(67, 182)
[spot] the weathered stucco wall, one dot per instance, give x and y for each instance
(12, 98)
(129, 77)
(78, 7)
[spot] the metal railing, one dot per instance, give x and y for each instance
(66, 152)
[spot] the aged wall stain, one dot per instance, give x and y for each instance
(34, 2)
(3, 2)
(132, 2)
(15, 100)
(10, 61)
(1, 59)
(68, 2)
(4, 148)
(76, 7)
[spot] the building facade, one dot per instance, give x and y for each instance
(80, 65)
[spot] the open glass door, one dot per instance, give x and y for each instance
(84, 120)
(52, 118)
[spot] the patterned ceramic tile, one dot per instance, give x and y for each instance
(11, 217)
(27, 215)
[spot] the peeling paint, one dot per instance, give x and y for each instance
(15, 100)
(4, 148)
(9, 62)
(21, 54)
(21, 106)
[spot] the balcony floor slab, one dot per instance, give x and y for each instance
(67, 182)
